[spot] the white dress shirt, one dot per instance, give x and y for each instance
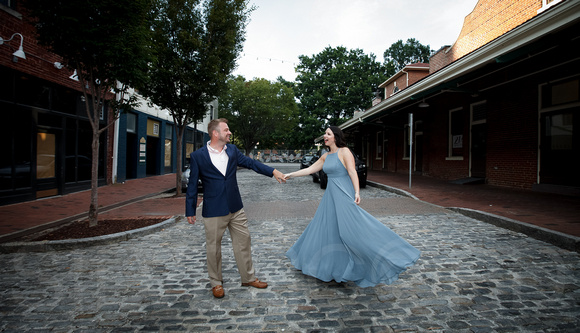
(219, 159)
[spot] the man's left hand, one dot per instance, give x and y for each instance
(279, 176)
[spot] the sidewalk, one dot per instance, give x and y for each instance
(27, 217)
(550, 211)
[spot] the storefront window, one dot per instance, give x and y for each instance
(15, 164)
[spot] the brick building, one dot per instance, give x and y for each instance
(45, 135)
(500, 105)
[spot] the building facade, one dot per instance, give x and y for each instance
(501, 105)
(45, 135)
(146, 142)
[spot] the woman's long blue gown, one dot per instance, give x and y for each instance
(345, 243)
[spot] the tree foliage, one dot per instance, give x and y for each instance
(196, 44)
(331, 86)
(105, 42)
(399, 55)
(259, 111)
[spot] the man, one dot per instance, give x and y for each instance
(216, 164)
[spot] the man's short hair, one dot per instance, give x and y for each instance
(214, 125)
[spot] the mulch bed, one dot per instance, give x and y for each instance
(81, 229)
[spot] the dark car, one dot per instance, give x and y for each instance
(185, 181)
(306, 161)
(359, 164)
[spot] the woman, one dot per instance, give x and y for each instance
(343, 242)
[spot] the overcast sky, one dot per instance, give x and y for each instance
(281, 30)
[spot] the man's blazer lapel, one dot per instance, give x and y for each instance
(231, 160)
(207, 160)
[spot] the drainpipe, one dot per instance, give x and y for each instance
(407, 75)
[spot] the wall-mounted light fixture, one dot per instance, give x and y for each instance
(423, 104)
(18, 53)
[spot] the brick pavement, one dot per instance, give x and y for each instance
(472, 276)
(552, 211)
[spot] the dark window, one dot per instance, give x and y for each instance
(8, 3)
(6, 84)
(64, 100)
(32, 91)
(84, 150)
(456, 126)
(560, 93)
(479, 112)
(15, 165)
(131, 123)
(560, 147)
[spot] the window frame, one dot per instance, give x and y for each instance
(450, 136)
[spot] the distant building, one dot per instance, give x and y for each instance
(501, 104)
(146, 145)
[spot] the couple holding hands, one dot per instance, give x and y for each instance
(342, 242)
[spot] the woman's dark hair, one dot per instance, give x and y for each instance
(338, 136)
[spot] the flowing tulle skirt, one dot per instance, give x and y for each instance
(345, 243)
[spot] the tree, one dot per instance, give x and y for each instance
(195, 44)
(105, 42)
(399, 55)
(259, 111)
(331, 86)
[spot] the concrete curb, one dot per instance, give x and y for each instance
(553, 237)
(392, 189)
(71, 244)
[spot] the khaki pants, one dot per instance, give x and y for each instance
(237, 224)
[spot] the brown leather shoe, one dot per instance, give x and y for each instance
(218, 291)
(256, 284)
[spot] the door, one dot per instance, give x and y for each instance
(478, 150)
(559, 149)
(46, 164)
(153, 160)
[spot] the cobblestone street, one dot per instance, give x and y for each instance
(471, 277)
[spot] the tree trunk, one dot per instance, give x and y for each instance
(180, 131)
(94, 206)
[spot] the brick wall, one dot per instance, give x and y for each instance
(39, 62)
(488, 20)
(512, 142)
(440, 59)
(405, 78)
(436, 138)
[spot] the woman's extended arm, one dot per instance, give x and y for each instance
(317, 166)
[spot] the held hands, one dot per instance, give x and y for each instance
(288, 176)
(191, 219)
(279, 176)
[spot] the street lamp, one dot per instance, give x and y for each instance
(18, 53)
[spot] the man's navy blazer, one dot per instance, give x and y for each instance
(221, 195)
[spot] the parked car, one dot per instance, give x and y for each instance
(185, 181)
(315, 176)
(360, 166)
(306, 161)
